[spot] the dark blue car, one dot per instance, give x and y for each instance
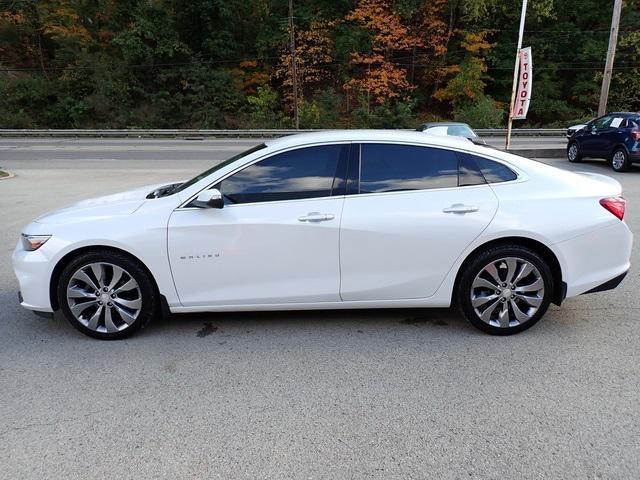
(615, 137)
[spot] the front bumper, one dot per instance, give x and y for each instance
(32, 269)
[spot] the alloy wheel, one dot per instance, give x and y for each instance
(507, 292)
(618, 160)
(573, 152)
(104, 297)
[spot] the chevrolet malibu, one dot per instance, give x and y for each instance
(334, 220)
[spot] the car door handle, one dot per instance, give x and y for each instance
(460, 208)
(316, 217)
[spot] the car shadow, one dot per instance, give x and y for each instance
(287, 322)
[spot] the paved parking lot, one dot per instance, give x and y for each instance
(365, 394)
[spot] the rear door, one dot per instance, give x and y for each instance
(408, 220)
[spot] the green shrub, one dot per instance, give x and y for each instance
(484, 112)
(397, 114)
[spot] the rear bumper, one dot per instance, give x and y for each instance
(609, 284)
(591, 262)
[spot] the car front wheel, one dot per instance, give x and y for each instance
(106, 295)
(573, 153)
(505, 289)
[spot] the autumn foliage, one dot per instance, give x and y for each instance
(360, 63)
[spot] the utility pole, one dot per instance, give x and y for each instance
(611, 53)
(523, 14)
(294, 69)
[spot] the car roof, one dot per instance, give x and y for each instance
(403, 136)
(625, 114)
(443, 124)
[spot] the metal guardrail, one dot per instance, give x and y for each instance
(254, 133)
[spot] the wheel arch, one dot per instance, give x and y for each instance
(619, 146)
(559, 287)
(64, 261)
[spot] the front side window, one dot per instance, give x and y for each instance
(602, 123)
(296, 174)
(217, 167)
(395, 168)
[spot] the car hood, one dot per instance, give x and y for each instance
(122, 203)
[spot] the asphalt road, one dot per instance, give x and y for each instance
(364, 394)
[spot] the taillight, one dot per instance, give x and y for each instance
(635, 134)
(615, 205)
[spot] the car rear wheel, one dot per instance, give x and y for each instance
(106, 295)
(620, 160)
(573, 153)
(505, 289)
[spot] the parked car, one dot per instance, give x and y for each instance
(614, 137)
(333, 220)
(453, 129)
(574, 128)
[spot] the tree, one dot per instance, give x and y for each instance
(377, 75)
(313, 61)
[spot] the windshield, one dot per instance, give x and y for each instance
(197, 178)
(461, 131)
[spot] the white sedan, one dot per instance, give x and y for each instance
(342, 219)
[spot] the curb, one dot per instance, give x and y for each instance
(8, 176)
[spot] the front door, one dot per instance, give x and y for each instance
(276, 240)
(594, 141)
(408, 224)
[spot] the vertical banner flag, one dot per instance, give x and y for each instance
(523, 96)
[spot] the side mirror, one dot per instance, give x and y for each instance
(209, 199)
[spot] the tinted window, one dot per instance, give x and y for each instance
(494, 172)
(229, 161)
(437, 131)
(602, 123)
(461, 131)
(468, 172)
(394, 168)
(303, 173)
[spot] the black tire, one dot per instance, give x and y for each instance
(477, 264)
(146, 294)
(620, 160)
(573, 152)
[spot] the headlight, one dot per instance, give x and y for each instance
(34, 242)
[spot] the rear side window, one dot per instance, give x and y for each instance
(495, 172)
(476, 170)
(395, 168)
(468, 172)
(296, 174)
